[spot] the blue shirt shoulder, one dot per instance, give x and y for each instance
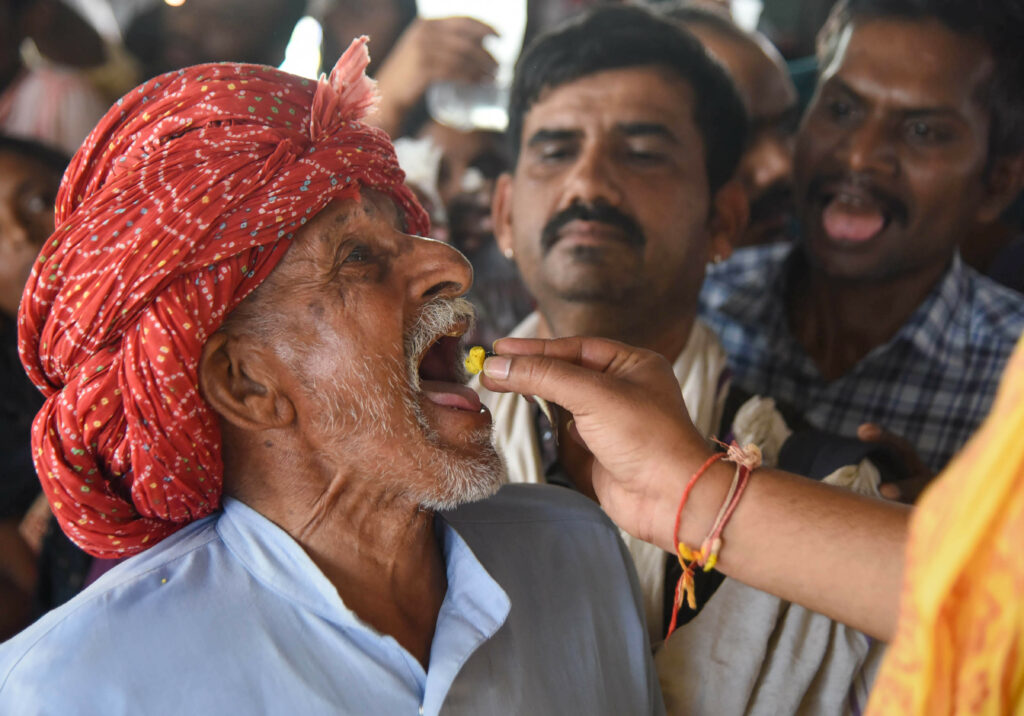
(230, 615)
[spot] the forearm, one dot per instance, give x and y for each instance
(823, 547)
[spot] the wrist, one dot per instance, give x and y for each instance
(667, 525)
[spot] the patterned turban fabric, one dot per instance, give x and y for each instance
(178, 205)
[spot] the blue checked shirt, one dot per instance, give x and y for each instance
(933, 382)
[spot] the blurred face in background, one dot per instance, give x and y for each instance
(766, 169)
(471, 162)
(892, 155)
(28, 190)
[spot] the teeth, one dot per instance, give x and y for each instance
(853, 200)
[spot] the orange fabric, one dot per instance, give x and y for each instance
(180, 203)
(959, 648)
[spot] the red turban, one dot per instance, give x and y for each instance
(178, 205)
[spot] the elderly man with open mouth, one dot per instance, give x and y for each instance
(251, 371)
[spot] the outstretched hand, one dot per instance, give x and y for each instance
(449, 48)
(792, 537)
(628, 411)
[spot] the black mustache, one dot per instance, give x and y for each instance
(598, 213)
(891, 205)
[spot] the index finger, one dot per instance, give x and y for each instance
(598, 354)
(581, 374)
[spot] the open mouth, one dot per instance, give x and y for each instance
(441, 376)
(854, 215)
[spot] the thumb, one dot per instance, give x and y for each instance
(558, 381)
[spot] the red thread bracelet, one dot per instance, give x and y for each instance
(677, 601)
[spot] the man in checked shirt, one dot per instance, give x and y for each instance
(872, 325)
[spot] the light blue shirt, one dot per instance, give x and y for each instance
(230, 616)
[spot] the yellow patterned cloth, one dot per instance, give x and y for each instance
(959, 647)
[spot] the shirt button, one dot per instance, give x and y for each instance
(547, 434)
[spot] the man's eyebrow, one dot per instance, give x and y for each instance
(908, 112)
(542, 136)
(932, 112)
(834, 82)
(646, 129)
(343, 217)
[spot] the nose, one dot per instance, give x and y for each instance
(868, 149)
(769, 162)
(592, 178)
(437, 270)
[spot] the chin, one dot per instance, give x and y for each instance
(461, 476)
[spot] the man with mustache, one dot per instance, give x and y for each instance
(625, 135)
(761, 76)
(914, 136)
(251, 371)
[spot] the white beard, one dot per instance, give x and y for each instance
(358, 413)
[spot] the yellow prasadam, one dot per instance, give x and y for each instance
(475, 359)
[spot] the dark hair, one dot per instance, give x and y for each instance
(614, 37)
(997, 23)
(691, 13)
(46, 155)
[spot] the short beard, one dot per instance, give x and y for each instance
(462, 480)
(356, 412)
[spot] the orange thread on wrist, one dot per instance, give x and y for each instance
(684, 587)
(747, 459)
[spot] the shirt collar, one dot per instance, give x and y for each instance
(933, 327)
(930, 329)
(279, 563)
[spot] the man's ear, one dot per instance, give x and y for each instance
(1003, 184)
(730, 211)
(237, 378)
(501, 214)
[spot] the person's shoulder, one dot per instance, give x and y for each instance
(749, 274)
(530, 504)
(68, 639)
(543, 538)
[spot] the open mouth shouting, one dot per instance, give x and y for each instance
(856, 214)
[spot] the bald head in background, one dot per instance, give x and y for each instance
(761, 76)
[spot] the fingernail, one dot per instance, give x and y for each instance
(497, 367)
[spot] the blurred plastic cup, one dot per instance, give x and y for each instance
(747, 13)
(469, 106)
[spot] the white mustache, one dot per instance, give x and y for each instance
(437, 318)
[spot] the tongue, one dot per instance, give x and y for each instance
(451, 395)
(847, 222)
